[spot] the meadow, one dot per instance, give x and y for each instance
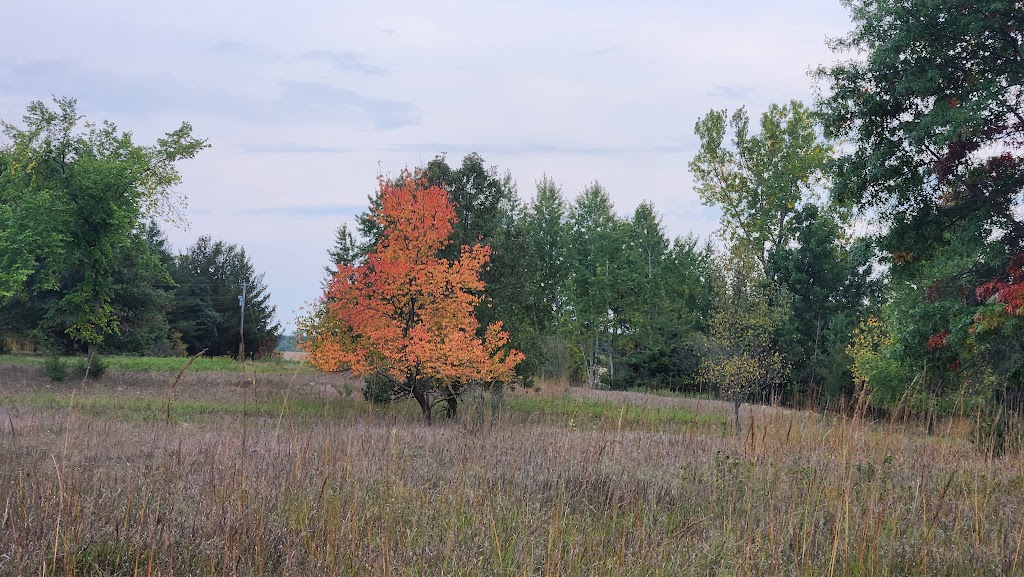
(278, 470)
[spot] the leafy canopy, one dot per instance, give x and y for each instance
(758, 180)
(406, 313)
(932, 104)
(72, 195)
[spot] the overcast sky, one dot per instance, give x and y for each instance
(306, 101)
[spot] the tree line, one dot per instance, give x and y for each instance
(84, 266)
(885, 270)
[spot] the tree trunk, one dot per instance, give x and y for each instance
(611, 360)
(452, 408)
(421, 398)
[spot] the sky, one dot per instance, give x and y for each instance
(306, 102)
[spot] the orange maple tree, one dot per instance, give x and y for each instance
(407, 315)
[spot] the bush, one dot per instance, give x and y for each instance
(95, 369)
(55, 368)
(378, 389)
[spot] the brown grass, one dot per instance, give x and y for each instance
(361, 492)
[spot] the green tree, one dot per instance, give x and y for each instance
(210, 275)
(545, 273)
(758, 180)
(82, 189)
(827, 278)
(346, 251)
(143, 296)
(744, 363)
(487, 211)
(669, 340)
(931, 104)
(595, 247)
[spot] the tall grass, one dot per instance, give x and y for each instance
(266, 484)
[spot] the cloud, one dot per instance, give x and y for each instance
(296, 102)
(346, 61)
(93, 88)
(322, 102)
(294, 149)
(305, 211)
(542, 149)
(737, 92)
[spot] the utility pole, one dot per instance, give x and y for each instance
(241, 325)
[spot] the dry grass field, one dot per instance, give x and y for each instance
(282, 474)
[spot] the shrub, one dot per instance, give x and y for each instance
(55, 368)
(378, 389)
(95, 369)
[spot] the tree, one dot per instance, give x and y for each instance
(744, 362)
(344, 252)
(669, 319)
(932, 106)
(207, 313)
(758, 181)
(406, 314)
(487, 211)
(596, 244)
(827, 277)
(544, 275)
(143, 296)
(72, 194)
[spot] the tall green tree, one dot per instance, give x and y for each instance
(595, 246)
(668, 294)
(210, 275)
(545, 224)
(72, 195)
(143, 296)
(487, 211)
(832, 287)
(545, 273)
(758, 180)
(930, 101)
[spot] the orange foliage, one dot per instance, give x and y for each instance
(404, 311)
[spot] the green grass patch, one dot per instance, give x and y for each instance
(174, 364)
(580, 412)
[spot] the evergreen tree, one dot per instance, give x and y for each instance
(825, 281)
(210, 277)
(345, 251)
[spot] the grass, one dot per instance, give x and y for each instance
(603, 414)
(272, 476)
(170, 364)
